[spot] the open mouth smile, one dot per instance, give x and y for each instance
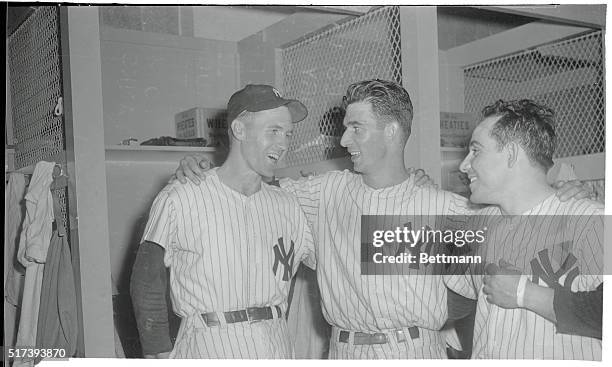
(274, 157)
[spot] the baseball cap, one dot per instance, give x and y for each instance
(259, 97)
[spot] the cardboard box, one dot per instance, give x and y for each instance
(456, 129)
(201, 122)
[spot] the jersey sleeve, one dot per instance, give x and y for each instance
(305, 241)
(308, 193)
(589, 236)
(161, 227)
(461, 284)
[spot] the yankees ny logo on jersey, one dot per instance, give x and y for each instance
(541, 268)
(283, 257)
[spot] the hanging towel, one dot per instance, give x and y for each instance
(14, 272)
(57, 316)
(32, 252)
(39, 216)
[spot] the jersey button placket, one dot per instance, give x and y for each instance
(249, 206)
(247, 230)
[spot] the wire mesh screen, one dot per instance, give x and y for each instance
(567, 76)
(36, 85)
(318, 69)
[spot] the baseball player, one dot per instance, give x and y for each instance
(557, 244)
(372, 316)
(232, 245)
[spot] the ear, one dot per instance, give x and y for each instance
(512, 150)
(238, 129)
(391, 129)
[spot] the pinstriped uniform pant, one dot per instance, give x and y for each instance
(267, 339)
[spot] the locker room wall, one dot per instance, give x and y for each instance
(148, 78)
(258, 53)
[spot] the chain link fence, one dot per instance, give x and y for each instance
(318, 69)
(567, 76)
(36, 86)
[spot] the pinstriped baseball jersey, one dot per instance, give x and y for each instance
(227, 251)
(538, 246)
(334, 203)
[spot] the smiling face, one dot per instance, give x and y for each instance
(486, 165)
(266, 138)
(364, 137)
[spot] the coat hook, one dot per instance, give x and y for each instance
(59, 107)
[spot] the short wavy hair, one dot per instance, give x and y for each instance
(528, 123)
(389, 100)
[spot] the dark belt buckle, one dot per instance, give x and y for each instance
(236, 316)
(378, 338)
(256, 314)
(368, 339)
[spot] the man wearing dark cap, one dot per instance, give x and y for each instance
(232, 245)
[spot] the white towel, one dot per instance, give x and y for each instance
(13, 271)
(32, 252)
(37, 226)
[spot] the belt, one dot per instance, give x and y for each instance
(250, 314)
(360, 338)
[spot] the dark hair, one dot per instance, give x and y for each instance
(528, 123)
(389, 100)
